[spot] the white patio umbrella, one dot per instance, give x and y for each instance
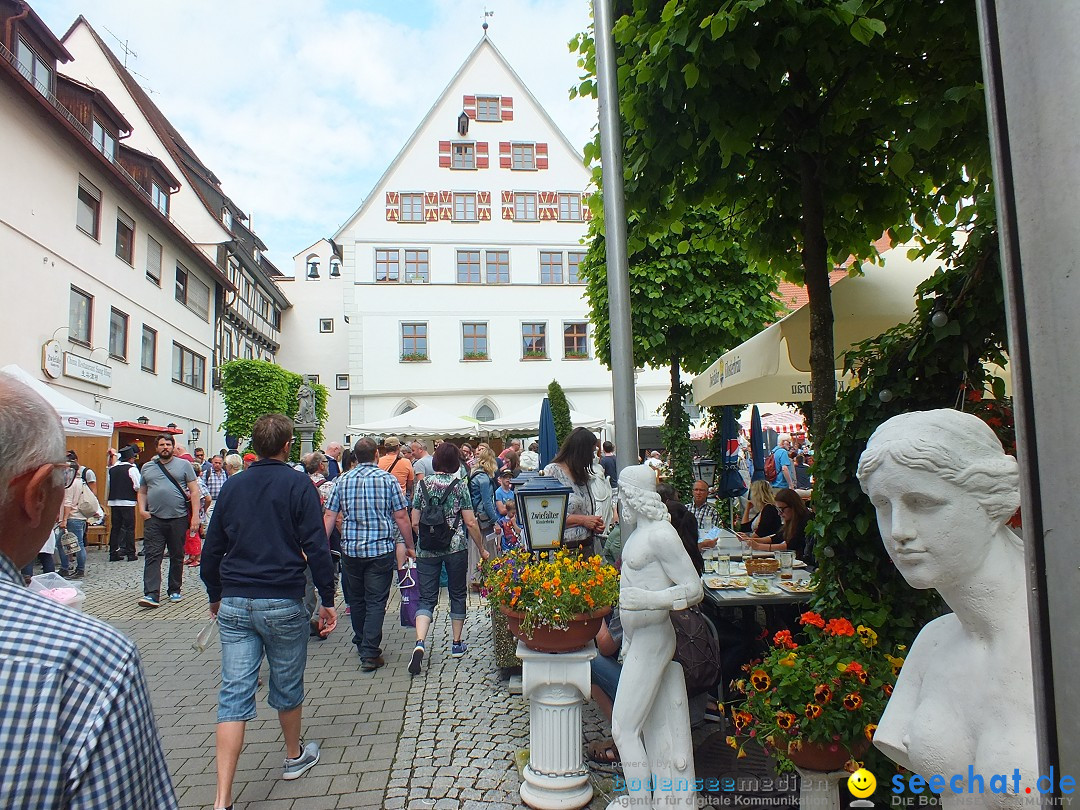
(77, 419)
(421, 421)
(527, 421)
(774, 365)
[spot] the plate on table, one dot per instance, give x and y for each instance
(798, 586)
(773, 590)
(718, 583)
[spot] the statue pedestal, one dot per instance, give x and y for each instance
(820, 790)
(307, 437)
(555, 684)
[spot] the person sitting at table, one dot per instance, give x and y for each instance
(792, 536)
(684, 522)
(766, 521)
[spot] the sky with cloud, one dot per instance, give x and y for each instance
(299, 107)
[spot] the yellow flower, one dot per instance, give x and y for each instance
(788, 660)
(867, 635)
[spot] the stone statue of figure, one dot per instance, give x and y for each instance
(944, 490)
(305, 415)
(650, 721)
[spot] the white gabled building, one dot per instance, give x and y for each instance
(459, 270)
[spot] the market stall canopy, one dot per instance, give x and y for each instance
(527, 422)
(782, 422)
(77, 419)
(774, 365)
(421, 421)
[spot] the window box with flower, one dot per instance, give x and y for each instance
(816, 704)
(475, 356)
(414, 357)
(552, 598)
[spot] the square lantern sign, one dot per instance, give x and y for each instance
(542, 505)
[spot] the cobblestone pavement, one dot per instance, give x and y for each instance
(446, 739)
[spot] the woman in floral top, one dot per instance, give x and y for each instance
(445, 486)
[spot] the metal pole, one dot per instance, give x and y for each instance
(618, 271)
(1030, 58)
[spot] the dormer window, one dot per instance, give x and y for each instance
(160, 197)
(104, 140)
(36, 70)
(464, 156)
(487, 108)
(226, 218)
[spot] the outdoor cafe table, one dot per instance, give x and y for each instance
(734, 598)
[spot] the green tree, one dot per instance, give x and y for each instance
(252, 388)
(560, 411)
(811, 128)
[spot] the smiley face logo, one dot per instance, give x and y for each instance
(861, 783)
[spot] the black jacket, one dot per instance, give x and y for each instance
(769, 524)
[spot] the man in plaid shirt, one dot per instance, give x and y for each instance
(705, 512)
(76, 725)
(371, 503)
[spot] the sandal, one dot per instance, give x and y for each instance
(603, 752)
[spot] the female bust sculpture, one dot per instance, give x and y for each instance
(943, 490)
(649, 720)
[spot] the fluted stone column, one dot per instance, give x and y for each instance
(555, 684)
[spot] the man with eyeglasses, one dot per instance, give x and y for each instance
(90, 739)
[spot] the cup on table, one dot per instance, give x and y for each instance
(723, 565)
(787, 563)
(710, 564)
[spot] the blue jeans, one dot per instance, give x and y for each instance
(429, 569)
(249, 628)
(605, 674)
(368, 580)
(77, 526)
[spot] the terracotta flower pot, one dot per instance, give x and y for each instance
(583, 629)
(818, 756)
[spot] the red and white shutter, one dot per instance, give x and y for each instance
(393, 198)
(431, 206)
(446, 205)
(586, 212)
(481, 154)
(468, 104)
(483, 206)
(548, 206)
(505, 161)
(508, 205)
(506, 105)
(541, 156)
(444, 154)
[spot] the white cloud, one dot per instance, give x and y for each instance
(299, 108)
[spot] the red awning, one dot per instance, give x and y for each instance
(147, 428)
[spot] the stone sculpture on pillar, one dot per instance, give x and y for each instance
(944, 490)
(306, 421)
(650, 721)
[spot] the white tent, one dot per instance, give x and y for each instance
(774, 365)
(527, 422)
(421, 421)
(77, 420)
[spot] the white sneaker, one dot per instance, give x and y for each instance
(309, 757)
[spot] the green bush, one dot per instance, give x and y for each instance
(560, 410)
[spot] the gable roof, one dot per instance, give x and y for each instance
(485, 42)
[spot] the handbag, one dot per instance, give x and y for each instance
(410, 595)
(88, 506)
(697, 649)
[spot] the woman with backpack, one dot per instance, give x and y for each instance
(442, 514)
(482, 494)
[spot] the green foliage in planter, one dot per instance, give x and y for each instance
(560, 411)
(414, 357)
(923, 367)
(476, 355)
(675, 433)
(252, 388)
(535, 354)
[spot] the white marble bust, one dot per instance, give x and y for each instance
(944, 490)
(650, 721)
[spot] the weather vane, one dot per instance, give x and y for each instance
(486, 15)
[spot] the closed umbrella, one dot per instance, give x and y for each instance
(731, 483)
(549, 445)
(757, 446)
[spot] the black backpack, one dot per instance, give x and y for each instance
(697, 649)
(435, 533)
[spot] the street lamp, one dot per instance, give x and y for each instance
(542, 506)
(143, 420)
(707, 470)
(195, 434)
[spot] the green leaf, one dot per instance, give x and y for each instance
(719, 25)
(691, 73)
(901, 163)
(683, 247)
(669, 10)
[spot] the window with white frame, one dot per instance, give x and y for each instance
(149, 349)
(125, 237)
(463, 155)
(416, 265)
(118, 334)
(104, 140)
(574, 258)
(153, 260)
(484, 413)
(80, 316)
(387, 264)
(414, 341)
(523, 156)
(569, 207)
(326, 325)
(474, 341)
(575, 340)
(160, 197)
(34, 68)
(551, 267)
(88, 215)
(487, 108)
(534, 341)
(411, 208)
(497, 266)
(341, 382)
(188, 368)
(468, 267)
(465, 207)
(525, 206)
(192, 292)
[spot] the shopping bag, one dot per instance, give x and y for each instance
(410, 594)
(192, 544)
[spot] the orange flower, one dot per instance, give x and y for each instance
(812, 618)
(741, 719)
(760, 680)
(784, 639)
(822, 693)
(887, 689)
(853, 701)
(869, 731)
(839, 627)
(813, 711)
(785, 720)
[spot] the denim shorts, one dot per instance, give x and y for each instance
(249, 628)
(605, 674)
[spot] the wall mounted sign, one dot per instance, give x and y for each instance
(52, 359)
(82, 368)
